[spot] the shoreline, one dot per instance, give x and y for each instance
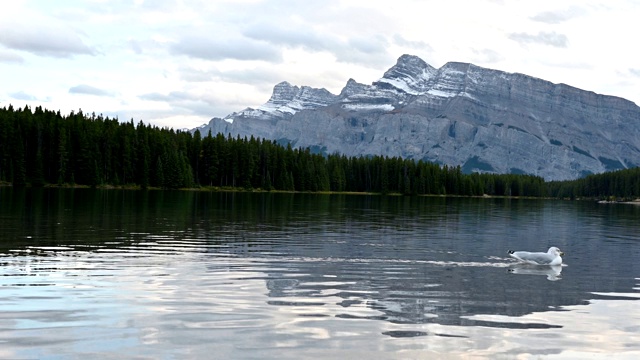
(243, 190)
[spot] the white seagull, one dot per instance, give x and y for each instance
(551, 257)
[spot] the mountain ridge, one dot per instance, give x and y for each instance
(483, 120)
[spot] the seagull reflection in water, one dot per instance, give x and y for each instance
(552, 272)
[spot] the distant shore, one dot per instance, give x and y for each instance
(628, 202)
(240, 189)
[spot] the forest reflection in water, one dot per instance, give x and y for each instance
(160, 273)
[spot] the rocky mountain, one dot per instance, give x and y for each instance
(464, 115)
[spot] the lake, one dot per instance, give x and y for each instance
(180, 274)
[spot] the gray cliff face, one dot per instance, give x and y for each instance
(286, 98)
(285, 101)
(460, 115)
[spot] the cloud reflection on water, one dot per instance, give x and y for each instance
(600, 328)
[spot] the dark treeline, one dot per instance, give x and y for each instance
(620, 184)
(42, 147)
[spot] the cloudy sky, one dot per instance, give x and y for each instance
(178, 63)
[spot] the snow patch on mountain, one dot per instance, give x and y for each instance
(410, 74)
(441, 93)
(368, 107)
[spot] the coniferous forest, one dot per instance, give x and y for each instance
(41, 147)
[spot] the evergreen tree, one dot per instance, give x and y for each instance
(195, 155)
(38, 175)
(62, 156)
(19, 162)
(159, 180)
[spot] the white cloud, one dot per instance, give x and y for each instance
(288, 35)
(89, 90)
(10, 57)
(214, 48)
(21, 95)
(557, 17)
(191, 103)
(412, 44)
(43, 39)
(257, 76)
(487, 56)
(542, 37)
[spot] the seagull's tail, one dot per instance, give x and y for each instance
(510, 252)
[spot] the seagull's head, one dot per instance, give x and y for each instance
(555, 251)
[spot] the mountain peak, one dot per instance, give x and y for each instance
(410, 74)
(283, 93)
(409, 65)
(352, 87)
(287, 98)
(411, 60)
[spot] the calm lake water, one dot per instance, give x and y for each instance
(175, 275)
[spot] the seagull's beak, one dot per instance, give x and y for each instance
(561, 253)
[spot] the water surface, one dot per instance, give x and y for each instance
(161, 274)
